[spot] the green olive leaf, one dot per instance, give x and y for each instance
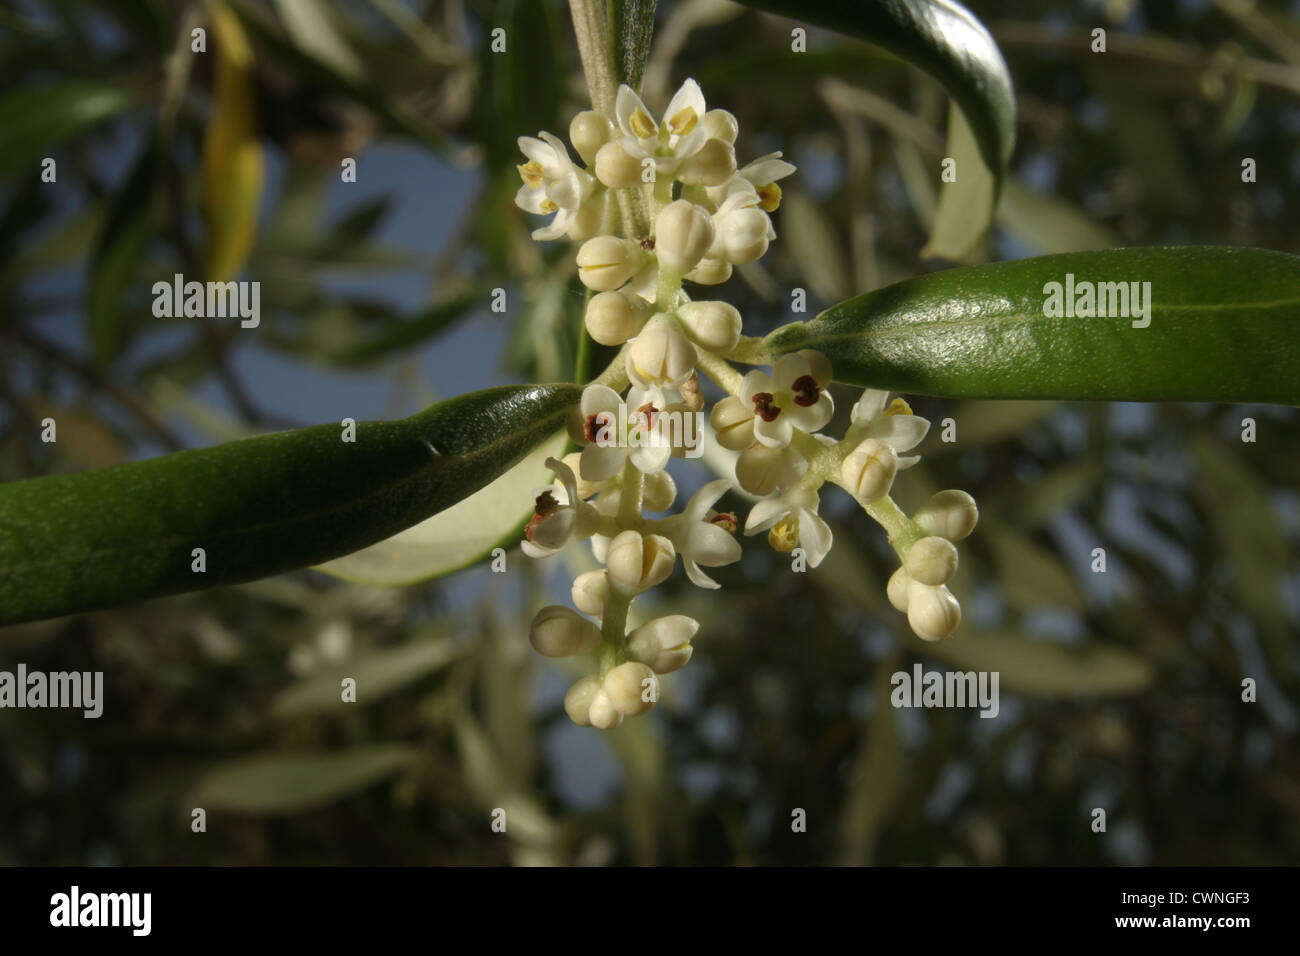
(1220, 325)
(255, 507)
(942, 38)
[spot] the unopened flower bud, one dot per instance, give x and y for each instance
(589, 592)
(588, 132)
(932, 561)
(869, 471)
(602, 713)
(713, 325)
(720, 124)
(932, 612)
(562, 632)
(950, 514)
(616, 167)
(661, 355)
(606, 262)
(896, 589)
(760, 469)
(743, 235)
(664, 644)
(733, 423)
(683, 234)
(614, 317)
(577, 702)
(638, 562)
(710, 271)
(658, 491)
(713, 165)
(631, 688)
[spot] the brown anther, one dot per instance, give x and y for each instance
(546, 504)
(647, 414)
(726, 521)
(648, 243)
(805, 391)
(594, 423)
(764, 408)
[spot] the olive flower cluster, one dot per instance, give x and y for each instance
(657, 204)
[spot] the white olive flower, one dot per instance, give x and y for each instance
(664, 644)
(588, 132)
(678, 137)
(733, 423)
(552, 184)
(762, 470)
(760, 178)
(638, 562)
(703, 536)
(868, 472)
(589, 591)
(932, 611)
(558, 631)
(793, 396)
(614, 317)
(894, 424)
(643, 439)
(715, 326)
(950, 514)
(629, 688)
(932, 561)
(661, 355)
(578, 701)
(793, 520)
(560, 515)
(741, 230)
(606, 262)
(683, 234)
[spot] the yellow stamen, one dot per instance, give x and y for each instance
(784, 535)
(898, 407)
(641, 123)
(684, 121)
(548, 206)
(769, 197)
(531, 173)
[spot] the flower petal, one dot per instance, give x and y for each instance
(765, 513)
(599, 463)
(814, 536)
(698, 577)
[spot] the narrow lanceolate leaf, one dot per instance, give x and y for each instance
(942, 38)
(1196, 323)
(1041, 668)
(967, 197)
(32, 120)
(279, 783)
(255, 507)
(631, 28)
(233, 165)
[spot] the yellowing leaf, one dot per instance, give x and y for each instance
(233, 164)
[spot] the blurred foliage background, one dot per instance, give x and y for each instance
(1120, 690)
